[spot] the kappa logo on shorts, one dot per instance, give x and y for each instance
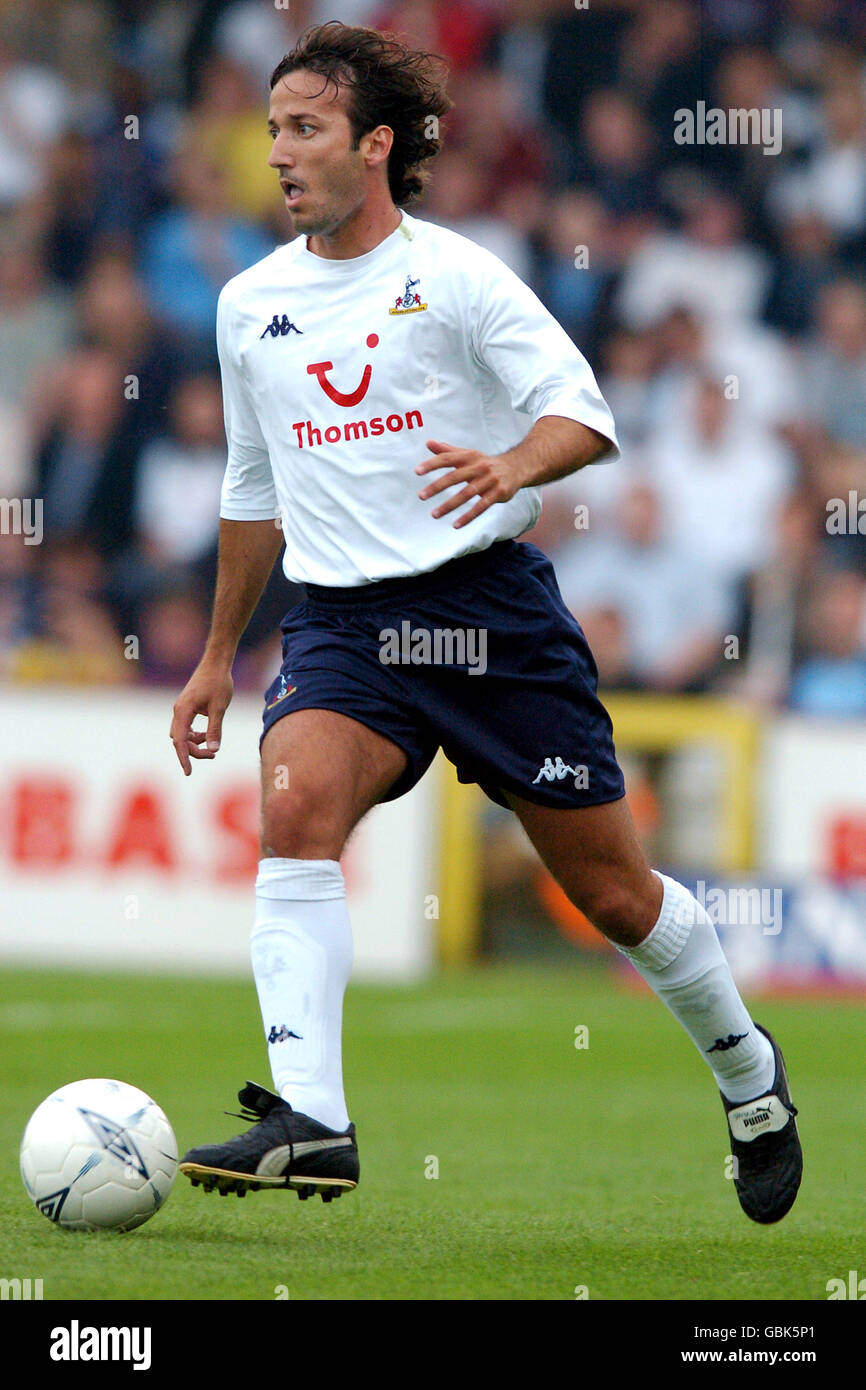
(409, 302)
(555, 771)
(283, 693)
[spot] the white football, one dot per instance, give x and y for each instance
(98, 1155)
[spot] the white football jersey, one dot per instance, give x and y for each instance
(335, 373)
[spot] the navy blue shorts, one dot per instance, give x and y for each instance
(480, 657)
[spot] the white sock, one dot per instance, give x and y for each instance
(683, 963)
(301, 948)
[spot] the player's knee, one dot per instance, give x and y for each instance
(622, 912)
(302, 821)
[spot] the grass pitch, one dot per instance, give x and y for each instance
(559, 1167)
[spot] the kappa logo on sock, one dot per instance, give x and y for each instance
(725, 1044)
(283, 1034)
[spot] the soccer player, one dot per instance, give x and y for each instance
(396, 397)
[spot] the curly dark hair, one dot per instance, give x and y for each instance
(388, 84)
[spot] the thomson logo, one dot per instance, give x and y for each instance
(76, 1343)
(20, 1289)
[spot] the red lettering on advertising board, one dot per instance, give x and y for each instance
(847, 841)
(237, 813)
(42, 813)
(141, 832)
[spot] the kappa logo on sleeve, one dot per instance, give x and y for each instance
(280, 327)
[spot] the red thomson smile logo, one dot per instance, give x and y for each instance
(320, 369)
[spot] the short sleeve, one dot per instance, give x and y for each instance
(248, 492)
(517, 339)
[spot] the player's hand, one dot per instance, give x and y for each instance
(488, 479)
(208, 691)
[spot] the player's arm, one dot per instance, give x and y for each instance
(249, 542)
(247, 553)
(553, 448)
(514, 338)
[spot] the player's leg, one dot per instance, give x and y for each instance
(594, 854)
(321, 772)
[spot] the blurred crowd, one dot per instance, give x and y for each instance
(717, 289)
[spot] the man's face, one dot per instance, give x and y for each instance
(324, 180)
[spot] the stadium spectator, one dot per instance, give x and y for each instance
(488, 126)
(629, 383)
(664, 59)
(722, 480)
(831, 679)
(173, 626)
(37, 318)
(458, 29)
(834, 387)
(34, 105)
(227, 124)
(69, 210)
(573, 271)
(708, 267)
(805, 264)
(115, 318)
(180, 476)
(85, 464)
(458, 197)
(74, 639)
(832, 182)
(754, 362)
(674, 614)
(18, 599)
(194, 247)
(605, 627)
(615, 155)
(773, 598)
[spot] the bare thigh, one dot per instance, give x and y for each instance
(595, 856)
(321, 772)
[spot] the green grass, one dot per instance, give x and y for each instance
(558, 1167)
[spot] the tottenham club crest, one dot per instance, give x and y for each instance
(409, 302)
(284, 690)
